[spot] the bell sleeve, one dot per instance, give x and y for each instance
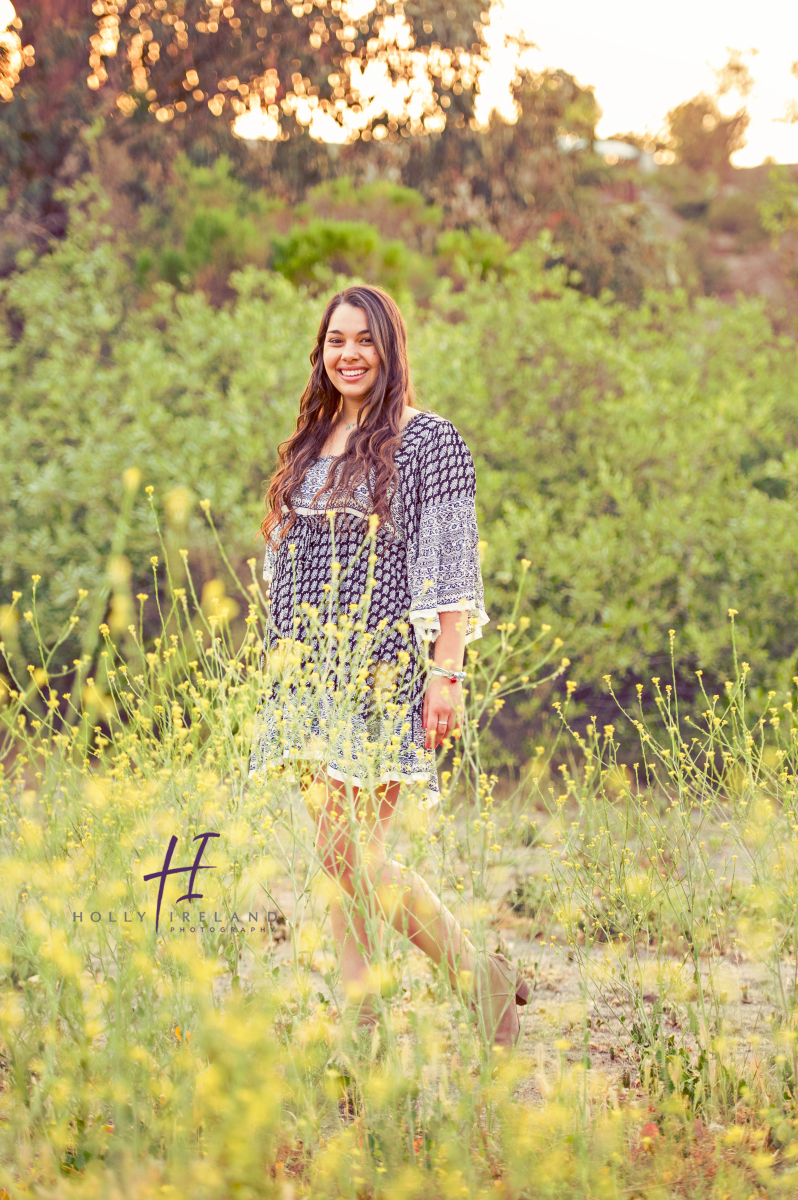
(443, 547)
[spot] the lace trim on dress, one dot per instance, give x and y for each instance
(428, 626)
(430, 799)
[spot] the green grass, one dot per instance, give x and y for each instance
(213, 1062)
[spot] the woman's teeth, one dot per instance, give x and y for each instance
(353, 374)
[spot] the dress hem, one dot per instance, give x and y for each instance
(431, 800)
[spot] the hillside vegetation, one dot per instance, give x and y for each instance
(643, 460)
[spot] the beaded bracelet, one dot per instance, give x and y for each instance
(452, 676)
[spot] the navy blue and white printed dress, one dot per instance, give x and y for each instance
(352, 611)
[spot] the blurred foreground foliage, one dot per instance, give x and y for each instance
(214, 1053)
(643, 460)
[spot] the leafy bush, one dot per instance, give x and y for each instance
(644, 462)
(206, 224)
(209, 224)
(321, 249)
(397, 211)
(737, 213)
(337, 243)
(192, 399)
(478, 249)
(630, 456)
(778, 209)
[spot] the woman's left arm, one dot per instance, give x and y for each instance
(447, 596)
(443, 700)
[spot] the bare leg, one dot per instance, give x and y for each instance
(351, 845)
(349, 927)
(348, 932)
(363, 871)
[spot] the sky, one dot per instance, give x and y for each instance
(643, 58)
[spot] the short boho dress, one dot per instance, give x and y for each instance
(352, 609)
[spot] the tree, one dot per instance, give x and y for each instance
(171, 75)
(13, 55)
(702, 137)
(516, 179)
(277, 68)
(509, 176)
(40, 147)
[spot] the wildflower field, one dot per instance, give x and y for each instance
(619, 816)
(153, 1045)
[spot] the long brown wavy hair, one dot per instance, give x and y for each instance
(377, 434)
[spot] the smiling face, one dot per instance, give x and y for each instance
(350, 356)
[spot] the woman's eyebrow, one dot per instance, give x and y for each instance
(338, 331)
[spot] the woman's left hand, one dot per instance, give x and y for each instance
(443, 702)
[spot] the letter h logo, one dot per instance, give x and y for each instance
(170, 870)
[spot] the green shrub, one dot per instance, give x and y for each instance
(215, 229)
(612, 450)
(738, 214)
(478, 250)
(193, 398)
(643, 461)
(397, 211)
(778, 209)
(206, 224)
(337, 244)
(317, 251)
(173, 268)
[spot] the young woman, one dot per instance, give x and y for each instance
(371, 533)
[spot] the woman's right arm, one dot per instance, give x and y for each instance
(270, 556)
(269, 560)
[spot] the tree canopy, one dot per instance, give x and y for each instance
(340, 70)
(194, 69)
(702, 137)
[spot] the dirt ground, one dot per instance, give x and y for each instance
(576, 1009)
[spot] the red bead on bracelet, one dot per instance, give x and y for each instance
(436, 670)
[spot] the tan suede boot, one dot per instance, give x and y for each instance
(499, 988)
